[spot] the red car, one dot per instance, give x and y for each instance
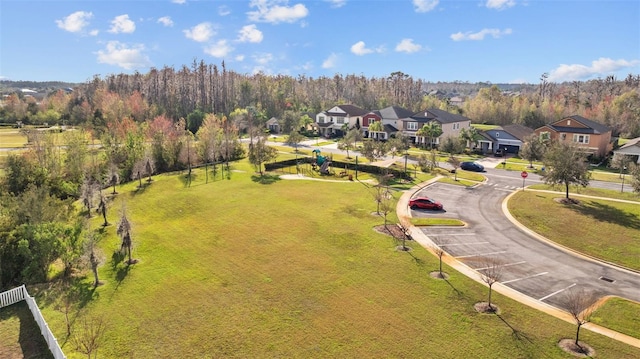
(424, 203)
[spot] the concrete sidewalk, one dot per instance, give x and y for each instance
(404, 215)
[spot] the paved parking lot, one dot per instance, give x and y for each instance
(532, 267)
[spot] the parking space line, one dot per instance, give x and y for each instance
(504, 265)
(556, 292)
(523, 278)
(460, 244)
(481, 254)
(452, 234)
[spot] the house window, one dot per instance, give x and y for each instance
(340, 120)
(321, 119)
(581, 138)
(412, 126)
(545, 135)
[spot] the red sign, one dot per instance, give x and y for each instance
(524, 174)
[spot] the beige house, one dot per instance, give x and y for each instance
(450, 123)
(594, 137)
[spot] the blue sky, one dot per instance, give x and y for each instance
(498, 41)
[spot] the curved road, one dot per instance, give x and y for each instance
(535, 268)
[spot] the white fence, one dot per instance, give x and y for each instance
(20, 293)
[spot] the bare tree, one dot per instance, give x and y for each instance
(90, 336)
(491, 271)
(440, 252)
(455, 163)
(93, 257)
(113, 177)
(88, 193)
(579, 304)
(124, 232)
(404, 235)
(102, 208)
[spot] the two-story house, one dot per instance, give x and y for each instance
(334, 122)
(450, 123)
(593, 137)
(391, 120)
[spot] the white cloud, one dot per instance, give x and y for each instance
(360, 49)
(123, 24)
(250, 33)
(272, 12)
(119, 54)
(601, 66)
(180, 2)
(408, 46)
(330, 62)
(200, 33)
(94, 32)
(337, 3)
(166, 21)
(220, 49)
(495, 33)
(239, 58)
(263, 58)
(425, 5)
(224, 10)
(500, 4)
(75, 22)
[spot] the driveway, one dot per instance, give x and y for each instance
(532, 267)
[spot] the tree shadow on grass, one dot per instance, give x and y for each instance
(265, 178)
(187, 180)
(32, 343)
(607, 213)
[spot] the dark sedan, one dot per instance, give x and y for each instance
(472, 166)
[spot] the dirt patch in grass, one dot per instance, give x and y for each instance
(483, 307)
(439, 275)
(564, 200)
(391, 230)
(581, 350)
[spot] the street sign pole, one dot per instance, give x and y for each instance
(524, 175)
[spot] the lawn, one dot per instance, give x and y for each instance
(620, 315)
(20, 335)
(12, 139)
(604, 229)
(261, 267)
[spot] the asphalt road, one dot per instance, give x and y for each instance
(530, 266)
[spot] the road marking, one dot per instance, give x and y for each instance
(556, 292)
(451, 234)
(503, 190)
(481, 254)
(460, 244)
(531, 276)
(504, 265)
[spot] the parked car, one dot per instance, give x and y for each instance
(472, 166)
(424, 203)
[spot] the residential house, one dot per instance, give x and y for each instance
(333, 122)
(391, 118)
(450, 123)
(273, 126)
(507, 138)
(368, 119)
(631, 148)
(593, 137)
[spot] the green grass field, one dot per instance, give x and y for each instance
(261, 267)
(620, 315)
(603, 229)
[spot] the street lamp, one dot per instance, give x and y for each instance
(623, 170)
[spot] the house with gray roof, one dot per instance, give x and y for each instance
(508, 138)
(450, 123)
(334, 121)
(593, 137)
(631, 148)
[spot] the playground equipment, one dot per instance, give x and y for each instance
(323, 161)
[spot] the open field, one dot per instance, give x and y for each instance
(20, 335)
(263, 267)
(604, 229)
